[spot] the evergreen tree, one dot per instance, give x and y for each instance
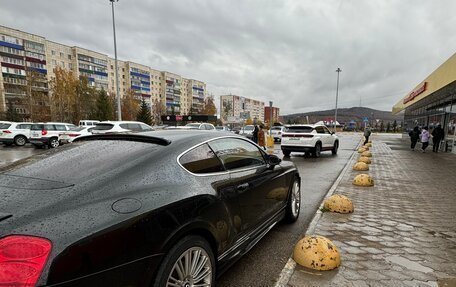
(144, 114)
(104, 107)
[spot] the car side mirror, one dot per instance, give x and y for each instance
(273, 160)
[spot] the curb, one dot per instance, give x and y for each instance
(290, 266)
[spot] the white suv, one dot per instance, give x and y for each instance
(47, 134)
(112, 127)
(309, 139)
(17, 133)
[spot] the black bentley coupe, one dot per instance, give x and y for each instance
(163, 208)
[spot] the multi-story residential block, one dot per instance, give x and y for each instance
(275, 114)
(28, 61)
(237, 109)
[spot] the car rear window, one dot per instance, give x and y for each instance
(4, 126)
(299, 129)
(103, 127)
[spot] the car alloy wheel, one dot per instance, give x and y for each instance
(189, 263)
(53, 143)
(335, 148)
(294, 202)
(20, 140)
(193, 268)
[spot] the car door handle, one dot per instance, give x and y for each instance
(242, 187)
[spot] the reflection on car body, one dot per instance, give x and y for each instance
(136, 204)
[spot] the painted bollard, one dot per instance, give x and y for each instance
(361, 166)
(316, 252)
(363, 180)
(366, 154)
(338, 203)
(364, 159)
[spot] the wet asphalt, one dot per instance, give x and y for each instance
(263, 264)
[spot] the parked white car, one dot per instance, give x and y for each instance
(72, 134)
(88, 123)
(47, 134)
(276, 132)
(200, 126)
(111, 127)
(223, 129)
(311, 139)
(14, 133)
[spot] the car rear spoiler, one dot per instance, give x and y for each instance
(125, 137)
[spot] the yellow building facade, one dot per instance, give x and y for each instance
(433, 102)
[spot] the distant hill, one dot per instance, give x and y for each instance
(344, 116)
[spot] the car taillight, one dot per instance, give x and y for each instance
(44, 132)
(74, 135)
(22, 259)
(6, 131)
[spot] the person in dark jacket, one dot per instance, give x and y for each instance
(255, 134)
(367, 133)
(414, 136)
(437, 136)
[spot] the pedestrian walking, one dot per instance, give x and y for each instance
(261, 136)
(255, 134)
(367, 133)
(424, 138)
(437, 135)
(414, 136)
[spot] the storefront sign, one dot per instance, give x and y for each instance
(415, 93)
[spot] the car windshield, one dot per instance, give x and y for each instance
(192, 125)
(276, 128)
(299, 129)
(249, 128)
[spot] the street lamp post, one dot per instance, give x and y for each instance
(119, 112)
(337, 96)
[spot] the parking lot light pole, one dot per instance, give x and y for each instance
(119, 112)
(337, 96)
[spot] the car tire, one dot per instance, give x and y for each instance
(294, 202)
(317, 150)
(53, 142)
(20, 140)
(286, 153)
(198, 249)
(335, 147)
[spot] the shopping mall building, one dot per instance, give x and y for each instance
(433, 102)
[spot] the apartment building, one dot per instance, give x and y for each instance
(27, 59)
(237, 109)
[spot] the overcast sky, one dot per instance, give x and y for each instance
(286, 51)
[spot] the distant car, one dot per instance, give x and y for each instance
(310, 139)
(14, 133)
(276, 132)
(110, 127)
(161, 208)
(47, 134)
(200, 126)
(223, 129)
(88, 123)
(247, 131)
(74, 133)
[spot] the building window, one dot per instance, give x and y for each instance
(70, 66)
(61, 55)
(53, 53)
(54, 62)
(69, 57)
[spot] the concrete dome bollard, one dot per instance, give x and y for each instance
(361, 166)
(363, 180)
(361, 150)
(364, 159)
(369, 144)
(365, 147)
(366, 153)
(316, 252)
(338, 203)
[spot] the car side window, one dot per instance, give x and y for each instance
(201, 160)
(326, 130)
(145, 128)
(60, 128)
(320, 130)
(134, 127)
(237, 153)
(124, 126)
